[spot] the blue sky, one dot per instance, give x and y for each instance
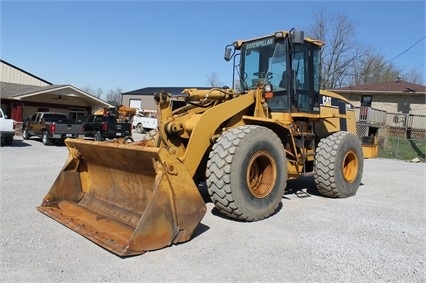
(136, 44)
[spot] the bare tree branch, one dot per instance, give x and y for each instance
(344, 60)
(95, 92)
(113, 96)
(212, 80)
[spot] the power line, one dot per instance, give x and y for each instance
(400, 54)
(405, 51)
(419, 66)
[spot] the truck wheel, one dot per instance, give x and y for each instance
(25, 134)
(247, 173)
(338, 165)
(128, 139)
(139, 128)
(97, 135)
(45, 138)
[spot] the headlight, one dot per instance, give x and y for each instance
(267, 91)
(268, 88)
(279, 34)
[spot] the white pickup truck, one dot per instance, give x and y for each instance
(144, 120)
(7, 129)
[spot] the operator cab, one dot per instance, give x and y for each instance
(285, 61)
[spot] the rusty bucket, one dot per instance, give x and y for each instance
(127, 198)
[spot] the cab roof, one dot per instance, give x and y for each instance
(239, 43)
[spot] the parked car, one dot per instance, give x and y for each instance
(7, 129)
(101, 127)
(50, 127)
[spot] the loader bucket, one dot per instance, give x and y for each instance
(127, 198)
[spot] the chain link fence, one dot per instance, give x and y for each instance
(400, 136)
(401, 147)
(404, 137)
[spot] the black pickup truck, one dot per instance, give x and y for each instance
(101, 127)
(50, 126)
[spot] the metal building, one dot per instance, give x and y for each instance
(23, 93)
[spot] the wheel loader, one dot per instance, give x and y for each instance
(243, 143)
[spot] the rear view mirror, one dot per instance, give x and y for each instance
(298, 37)
(228, 53)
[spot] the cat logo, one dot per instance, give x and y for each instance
(326, 101)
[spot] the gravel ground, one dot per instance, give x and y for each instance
(377, 235)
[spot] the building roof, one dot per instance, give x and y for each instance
(152, 90)
(9, 90)
(26, 92)
(386, 87)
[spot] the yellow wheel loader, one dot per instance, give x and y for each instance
(243, 142)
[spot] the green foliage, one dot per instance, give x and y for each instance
(401, 148)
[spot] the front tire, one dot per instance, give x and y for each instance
(247, 173)
(139, 128)
(25, 134)
(338, 165)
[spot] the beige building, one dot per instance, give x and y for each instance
(144, 97)
(23, 94)
(397, 106)
(392, 97)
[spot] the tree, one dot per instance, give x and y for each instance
(113, 96)
(373, 68)
(413, 76)
(340, 50)
(345, 61)
(212, 80)
(95, 92)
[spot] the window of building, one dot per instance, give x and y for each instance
(76, 114)
(366, 100)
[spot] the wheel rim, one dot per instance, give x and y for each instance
(350, 166)
(261, 174)
(44, 138)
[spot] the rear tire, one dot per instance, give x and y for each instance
(338, 165)
(97, 135)
(247, 173)
(45, 138)
(128, 139)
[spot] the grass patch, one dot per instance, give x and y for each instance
(401, 148)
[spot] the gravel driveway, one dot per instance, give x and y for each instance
(377, 235)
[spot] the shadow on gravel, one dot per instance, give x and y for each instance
(217, 213)
(54, 143)
(201, 228)
(20, 143)
(304, 186)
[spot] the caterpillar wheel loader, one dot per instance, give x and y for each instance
(243, 142)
